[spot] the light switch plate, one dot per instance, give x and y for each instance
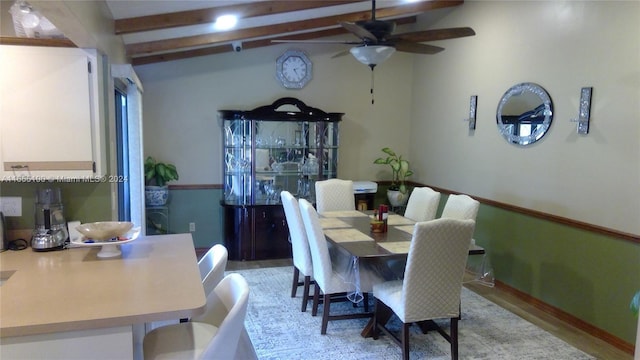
(11, 205)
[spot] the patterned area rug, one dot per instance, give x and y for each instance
(279, 330)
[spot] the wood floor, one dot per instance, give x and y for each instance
(576, 337)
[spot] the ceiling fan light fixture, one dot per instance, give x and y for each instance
(372, 55)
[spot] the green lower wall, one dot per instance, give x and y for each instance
(590, 276)
(199, 206)
(85, 202)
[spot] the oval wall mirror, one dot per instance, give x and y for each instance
(524, 113)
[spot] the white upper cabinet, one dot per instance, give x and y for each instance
(51, 114)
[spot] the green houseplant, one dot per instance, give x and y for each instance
(397, 192)
(156, 176)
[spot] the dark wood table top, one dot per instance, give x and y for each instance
(372, 249)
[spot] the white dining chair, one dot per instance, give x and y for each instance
(299, 248)
(326, 279)
(212, 266)
(460, 206)
(212, 335)
(432, 283)
(334, 195)
(423, 204)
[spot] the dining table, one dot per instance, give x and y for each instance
(73, 304)
(361, 255)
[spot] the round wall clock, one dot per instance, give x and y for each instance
(294, 69)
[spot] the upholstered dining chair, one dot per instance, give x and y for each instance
(460, 206)
(299, 247)
(423, 204)
(327, 280)
(212, 335)
(432, 283)
(212, 266)
(334, 195)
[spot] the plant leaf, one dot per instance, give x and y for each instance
(389, 151)
(150, 174)
(404, 166)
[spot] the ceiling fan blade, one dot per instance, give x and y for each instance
(359, 31)
(433, 35)
(417, 48)
(318, 41)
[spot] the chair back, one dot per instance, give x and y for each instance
(461, 207)
(297, 234)
(423, 204)
(435, 266)
(317, 244)
(334, 195)
(212, 266)
(226, 309)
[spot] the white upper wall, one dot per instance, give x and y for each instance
(562, 46)
(181, 101)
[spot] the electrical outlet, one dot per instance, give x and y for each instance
(192, 227)
(11, 205)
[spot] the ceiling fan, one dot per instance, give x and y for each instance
(377, 41)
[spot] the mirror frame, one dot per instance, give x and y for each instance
(539, 131)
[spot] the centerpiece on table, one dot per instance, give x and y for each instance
(397, 193)
(156, 176)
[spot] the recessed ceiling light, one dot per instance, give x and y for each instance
(225, 22)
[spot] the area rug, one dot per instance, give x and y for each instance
(279, 330)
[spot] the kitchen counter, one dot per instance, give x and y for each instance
(71, 291)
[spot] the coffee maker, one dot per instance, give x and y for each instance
(51, 229)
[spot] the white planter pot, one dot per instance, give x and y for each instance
(396, 198)
(156, 195)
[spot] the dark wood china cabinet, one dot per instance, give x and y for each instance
(286, 145)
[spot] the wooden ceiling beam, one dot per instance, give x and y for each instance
(277, 29)
(219, 49)
(204, 16)
(8, 40)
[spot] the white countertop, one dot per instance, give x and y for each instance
(155, 278)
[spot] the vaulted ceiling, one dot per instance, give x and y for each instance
(156, 31)
(164, 30)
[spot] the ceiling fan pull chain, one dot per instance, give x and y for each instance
(372, 83)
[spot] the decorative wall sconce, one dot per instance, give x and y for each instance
(473, 102)
(585, 110)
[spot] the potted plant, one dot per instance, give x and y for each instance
(156, 176)
(397, 193)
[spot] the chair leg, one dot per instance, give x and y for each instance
(305, 294)
(316, 299)
(294, 285)
(366, 302)
(405, 341)
(454, 339)
(374, 335)
(325, 313)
